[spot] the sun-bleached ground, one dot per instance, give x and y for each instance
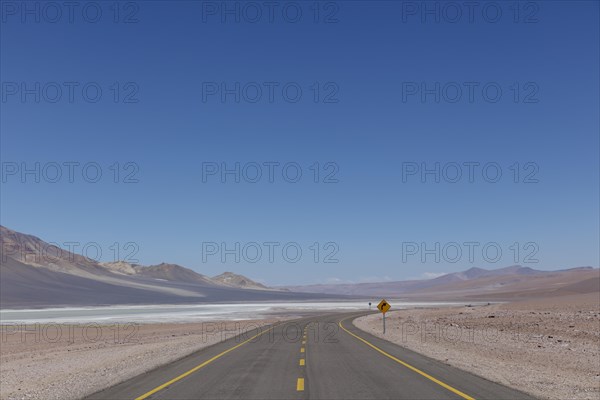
(77, 360)
(549, 348)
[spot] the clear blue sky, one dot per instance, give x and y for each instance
(368, 60)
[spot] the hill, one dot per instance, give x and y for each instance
(509, 283)
(238, 281)
(34, 273)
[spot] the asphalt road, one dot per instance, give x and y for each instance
(322, 357)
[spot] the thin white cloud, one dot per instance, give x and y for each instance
(334, 281)
(432, 275)
(368, 279)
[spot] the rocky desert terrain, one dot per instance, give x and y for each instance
(65, 362)
(549, 348)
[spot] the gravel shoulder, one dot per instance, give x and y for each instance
(549, 348)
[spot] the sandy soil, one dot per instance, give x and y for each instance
(548, 348)
(70, 361)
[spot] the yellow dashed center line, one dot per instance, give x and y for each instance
(302, 361)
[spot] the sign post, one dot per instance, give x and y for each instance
(384, 306)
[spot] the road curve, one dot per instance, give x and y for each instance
(323, 357)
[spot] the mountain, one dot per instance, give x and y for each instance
(173, 272)
(400, 287)
(26, 286)
(475, 284)
(177, 273)
(518, 284)
(121, 267)
(31, 250)
(34, 273)
(238, 281)
(163, 271)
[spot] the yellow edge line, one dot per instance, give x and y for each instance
(418, 371)
(197, 367)
(300, 385)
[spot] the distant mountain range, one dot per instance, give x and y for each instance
(34, 273)
(508, 283)
(177, 273)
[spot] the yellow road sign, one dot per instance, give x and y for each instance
(384, 306)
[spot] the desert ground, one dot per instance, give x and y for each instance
(549, 348)
(70, 361)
